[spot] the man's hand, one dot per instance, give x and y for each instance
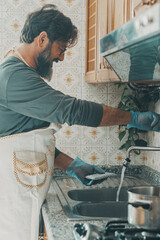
(80, 170)
(146, 121)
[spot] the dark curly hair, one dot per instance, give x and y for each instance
(49, 19)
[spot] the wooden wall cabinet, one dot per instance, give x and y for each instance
(103, 16)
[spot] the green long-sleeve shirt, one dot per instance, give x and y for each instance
(27, 102)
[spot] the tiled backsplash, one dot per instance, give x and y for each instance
(94, 145)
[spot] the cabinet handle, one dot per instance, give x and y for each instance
(148, 2)
(143, 3)
(42, 237)
(105, 65)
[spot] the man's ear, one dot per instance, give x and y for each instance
(43, 40)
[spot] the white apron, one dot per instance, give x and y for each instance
(26, 169)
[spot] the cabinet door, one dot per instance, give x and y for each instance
(122, 12)
(91, 41)
(105, 24)
(103, 16)
(119, 13)
(110, 15)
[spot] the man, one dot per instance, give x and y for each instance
(27, 102)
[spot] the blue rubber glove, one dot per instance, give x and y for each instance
(146, 121)
(80, 170)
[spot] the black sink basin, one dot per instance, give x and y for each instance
(102, 209)
(100, 202)
(98, 195)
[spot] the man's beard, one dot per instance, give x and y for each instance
(44, 64)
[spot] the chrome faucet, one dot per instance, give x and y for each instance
(127, 160)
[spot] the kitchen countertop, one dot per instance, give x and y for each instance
(57, 225)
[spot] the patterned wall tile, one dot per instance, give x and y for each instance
(69, 136)
(70, 7)
(115, 157)
(69, 81)
(95, 93)
(113, 100)
(113, 88)
(113, 146)
(94, 136)
(94, 155)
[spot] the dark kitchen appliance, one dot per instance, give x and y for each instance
(133, 50)
(114, 230)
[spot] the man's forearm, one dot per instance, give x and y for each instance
(62, 161)
(114, 116)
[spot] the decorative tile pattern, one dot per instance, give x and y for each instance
(94, 145)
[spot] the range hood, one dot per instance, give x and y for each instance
(133, 50)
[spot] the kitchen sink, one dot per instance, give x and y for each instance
(95, 202)
(100, 202)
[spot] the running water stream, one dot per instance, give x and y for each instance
(121, 182)
(127, 161)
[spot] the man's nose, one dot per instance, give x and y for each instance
(61, 57)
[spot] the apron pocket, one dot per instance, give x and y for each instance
(30, 168)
